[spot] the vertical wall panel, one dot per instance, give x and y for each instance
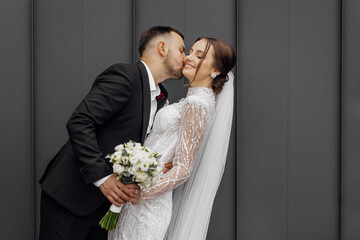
(314, 120)
(16, 166)
(57, 84)
(262, 119)
(107, 37)
(217, 19)
(288, 120)
(351, 121)
(75, 41)
(166, 13)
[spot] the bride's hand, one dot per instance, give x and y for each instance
(136, 194)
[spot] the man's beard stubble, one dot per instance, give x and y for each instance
(170, 69)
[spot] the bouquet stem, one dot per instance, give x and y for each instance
(108, 222)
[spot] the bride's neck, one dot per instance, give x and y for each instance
(206, 82)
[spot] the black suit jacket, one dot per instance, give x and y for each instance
(116, 110)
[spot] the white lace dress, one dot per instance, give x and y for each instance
(177, 134)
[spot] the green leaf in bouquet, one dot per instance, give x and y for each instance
(125, 153)
(126, 162)
(126, 173)
(127, 180)
(152, 168)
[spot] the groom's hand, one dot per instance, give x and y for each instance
(115, 191)
(167, 167)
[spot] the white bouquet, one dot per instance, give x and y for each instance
(134, 164)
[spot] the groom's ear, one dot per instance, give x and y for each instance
(162, 48)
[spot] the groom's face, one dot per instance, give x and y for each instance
(174, 60)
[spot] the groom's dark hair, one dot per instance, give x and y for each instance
(153, 32)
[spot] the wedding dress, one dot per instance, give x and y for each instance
(177, 134)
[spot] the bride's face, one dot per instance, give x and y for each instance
(192, 61)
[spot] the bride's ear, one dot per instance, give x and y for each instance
(216, 72)
(162, 48)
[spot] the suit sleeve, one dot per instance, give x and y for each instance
(109, 94)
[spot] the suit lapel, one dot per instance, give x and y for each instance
(146, 100)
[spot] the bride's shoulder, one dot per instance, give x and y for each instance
(199, 101)
(196, 99)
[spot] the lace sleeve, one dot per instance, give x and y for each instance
(193, 127)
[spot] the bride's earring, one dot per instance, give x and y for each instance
(213, 75)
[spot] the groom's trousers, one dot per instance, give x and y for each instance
(58, 223)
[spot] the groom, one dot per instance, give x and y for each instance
(78, 185)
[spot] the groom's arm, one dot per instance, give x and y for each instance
(109, 94)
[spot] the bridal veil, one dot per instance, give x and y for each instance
(193, 200)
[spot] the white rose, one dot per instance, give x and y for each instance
(119, 148)
(139, 153)
(136, 167)
(157, 170)
(117, 168)
(114, 158)
(129, 145)
(129, 151)
(144, 166)
(152, 160)
(133, 160)
(116, 155)
(141, 176)
(138, 146)
(144, 158)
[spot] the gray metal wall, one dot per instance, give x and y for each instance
(16, 165)
(289, 119)
(351, 119)
(292, 164)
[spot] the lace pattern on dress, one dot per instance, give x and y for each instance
(196, 113)
(177, 134)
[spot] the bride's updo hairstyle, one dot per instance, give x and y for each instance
(224, 61)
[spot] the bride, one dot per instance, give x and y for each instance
(193, 134)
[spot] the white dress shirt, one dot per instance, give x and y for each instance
(154, 92)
